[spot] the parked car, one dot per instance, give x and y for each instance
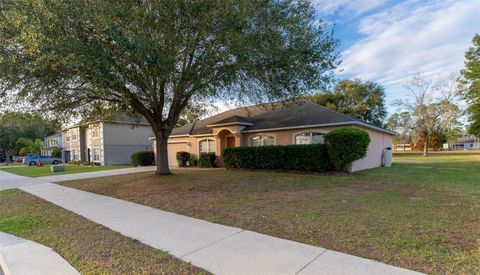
(31, 159)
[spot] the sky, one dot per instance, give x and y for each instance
(389, 41)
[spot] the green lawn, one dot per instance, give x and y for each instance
(89, 247)
(421, 214)
(34, 171)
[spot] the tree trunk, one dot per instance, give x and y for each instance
(425, 145)
(161, 155)
(7, 155)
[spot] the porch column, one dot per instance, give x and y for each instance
(218, 145)
(238, 140)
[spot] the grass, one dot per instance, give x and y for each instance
(89, 247)
(421, 214)
(34, 171)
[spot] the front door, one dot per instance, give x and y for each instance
(67, 157)
(230, 142)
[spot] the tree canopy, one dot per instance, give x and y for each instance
(363, 100)
(400, 123)
(155, 57)
(15, 125)
(471, 81)
(30, 146)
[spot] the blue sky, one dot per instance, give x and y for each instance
(389, 41)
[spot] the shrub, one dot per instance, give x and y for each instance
(57, 152)
(91, 163)
(143, 158)
(346, 145)
(207, 160)
(182, 158)
(74, 162)
(311, 158)
(193, 161)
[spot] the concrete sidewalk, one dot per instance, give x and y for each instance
(97, 174)
(21, 256)
(216, 248)
(10, 181)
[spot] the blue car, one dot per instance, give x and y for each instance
(31, 160)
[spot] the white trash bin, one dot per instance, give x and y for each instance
(387, 157)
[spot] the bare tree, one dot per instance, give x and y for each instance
(424, 114)
(432, 114)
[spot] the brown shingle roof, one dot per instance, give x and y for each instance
(267, 116)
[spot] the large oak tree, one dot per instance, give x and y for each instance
(363, 100)
(155, 57)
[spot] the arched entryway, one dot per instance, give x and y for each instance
(225, 138)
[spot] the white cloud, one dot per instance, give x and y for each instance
(411, 37)
(348, 6)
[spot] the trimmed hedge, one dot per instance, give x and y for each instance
(207, 160)
(193, 161)
(182, 158)
(346, 145)
(310, 158)
(143, 158)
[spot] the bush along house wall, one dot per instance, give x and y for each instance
(343, 147)
(207, 160)
(143, 158)
(346, 145)
(310, 158)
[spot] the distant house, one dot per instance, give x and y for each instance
(52, 141)
(464, 143)
(403, 145)
(106, 142)
(303, 123)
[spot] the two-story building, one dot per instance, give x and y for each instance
(106, 142)
(52, 141)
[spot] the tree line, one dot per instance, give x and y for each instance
(22, 132)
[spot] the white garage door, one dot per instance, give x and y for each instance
(173, 148)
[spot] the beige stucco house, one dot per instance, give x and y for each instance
(259, 125)
(106, 142)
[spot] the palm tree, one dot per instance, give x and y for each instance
(30, 146)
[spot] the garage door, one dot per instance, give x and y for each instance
(173, 148)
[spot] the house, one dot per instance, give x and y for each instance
(52, 141)
(403, 145)
(260, 125)
(464, 143)
(107, 142)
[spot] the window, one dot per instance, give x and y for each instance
(309, 138)
(95, 132)
(262, 140)
(74, 155)
(96, 154)
(67, 138)
(207, 146)
(74, 136)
